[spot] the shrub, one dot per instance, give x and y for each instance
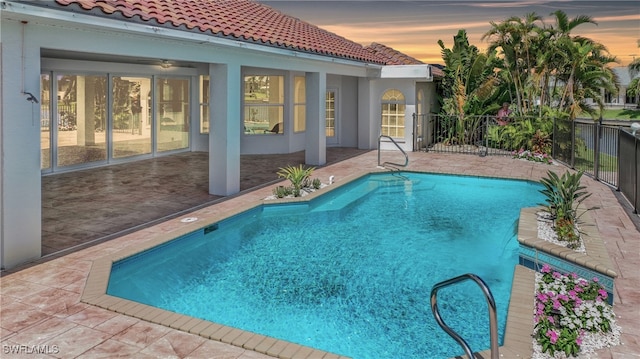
(563, 194)
(566, 231)
(298, 175)
(282, 191)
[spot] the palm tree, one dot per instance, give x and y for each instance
(469, 85)
(516, 39)
(469, 77)
(634, 69)
(585, 75)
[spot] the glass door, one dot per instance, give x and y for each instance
(172, 113)
(131, 116)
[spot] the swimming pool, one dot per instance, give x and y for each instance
(351, 271)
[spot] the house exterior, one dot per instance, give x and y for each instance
(620, 99)
(89, 83)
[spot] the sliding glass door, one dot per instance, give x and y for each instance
(89, 119)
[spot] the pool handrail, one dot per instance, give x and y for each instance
(406, 157)
(493, 318)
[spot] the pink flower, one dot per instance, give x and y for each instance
(551, 320)
(574, 276)
(595, 279)
(573, 295)
(545, 269)
(603, 293)
(556, 304)
(542, 297)
(557, 275)
(579, 341)
(553, 336)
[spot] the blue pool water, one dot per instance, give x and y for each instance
(351, 271)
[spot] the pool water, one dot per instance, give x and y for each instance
(351, 271)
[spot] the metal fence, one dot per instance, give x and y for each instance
(588, 146)
(452, 134)
(607, 152)
(629, 170)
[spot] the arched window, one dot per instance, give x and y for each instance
(393, 108)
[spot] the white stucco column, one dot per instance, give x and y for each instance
(20, 182)
(86, 112)
(315, 136)
(224, 132)
(368, 130)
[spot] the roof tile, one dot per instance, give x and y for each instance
(239, 19)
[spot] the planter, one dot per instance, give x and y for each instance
(593, 262)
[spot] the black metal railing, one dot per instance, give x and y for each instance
(629, 170)
(459, 134)
(606, 151)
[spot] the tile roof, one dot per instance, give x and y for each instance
(391, 56)
(242, 20)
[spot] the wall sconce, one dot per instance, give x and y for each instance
(165, 64)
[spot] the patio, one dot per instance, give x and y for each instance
(41, 302)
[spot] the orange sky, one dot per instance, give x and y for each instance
(414, 27)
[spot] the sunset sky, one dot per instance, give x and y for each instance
(414, 27)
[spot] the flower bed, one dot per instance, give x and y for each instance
(571, 315)
(532, 156)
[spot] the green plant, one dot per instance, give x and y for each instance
(566, 307)
(563, 194)
(565, 230)
(282, 191)
(316, 184)
(298, 175)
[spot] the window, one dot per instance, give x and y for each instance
(299, 104)
(204, 104)
(130, 116)
(91, 118)
(330, 114)
(45, 121)
(263, 104)
(393, 109)
(172, 113)
(80, 113)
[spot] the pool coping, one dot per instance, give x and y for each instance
(519, 325)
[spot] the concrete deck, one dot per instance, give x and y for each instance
(40, 303)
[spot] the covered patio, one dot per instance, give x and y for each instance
(85, 207)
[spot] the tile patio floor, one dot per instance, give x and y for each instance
(39, 304)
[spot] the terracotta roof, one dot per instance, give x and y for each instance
(242, 20)
(391, 56)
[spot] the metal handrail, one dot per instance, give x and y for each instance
(493, 318)
(406, 157)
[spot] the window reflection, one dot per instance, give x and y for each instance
(263, 104)
(80, 117)
(131, 119)
(172, 113)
